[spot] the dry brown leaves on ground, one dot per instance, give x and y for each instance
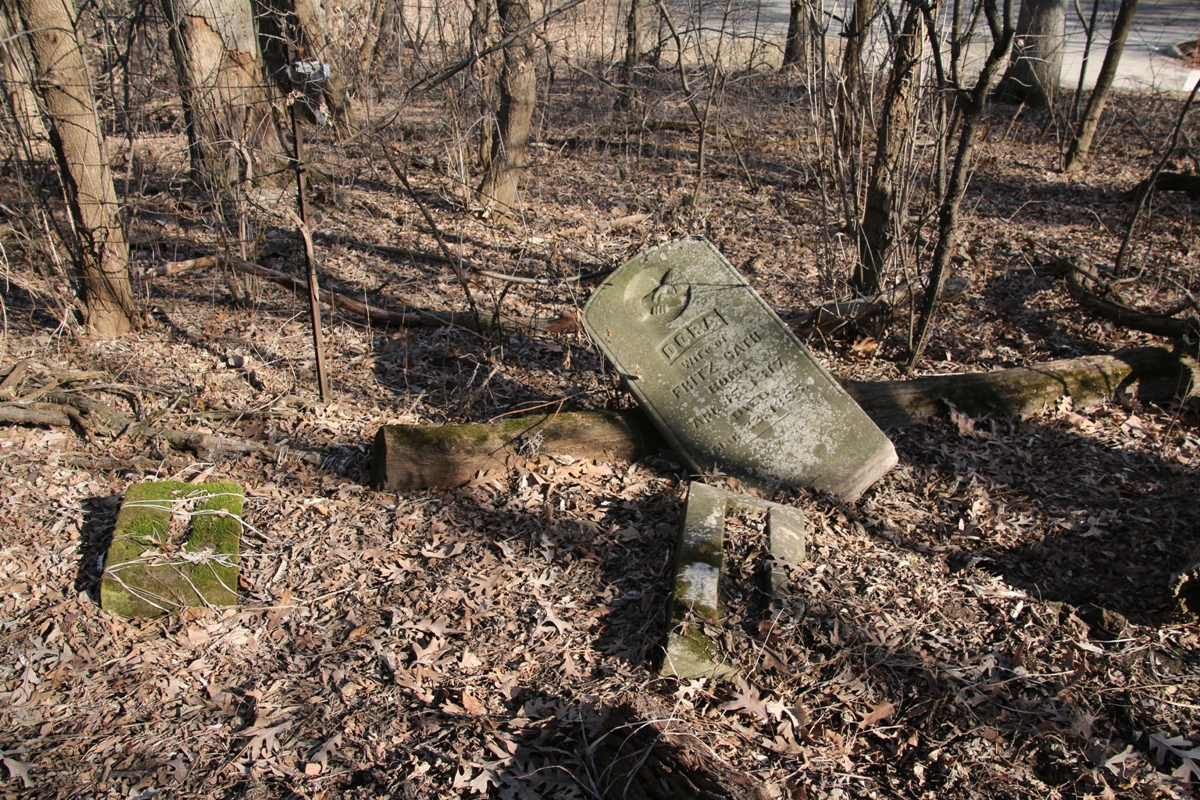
(499, 639)
(992, 620)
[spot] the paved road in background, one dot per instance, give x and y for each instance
(1146, 64)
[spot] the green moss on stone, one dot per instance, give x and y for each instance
(146, 574)
(692, 654)
(419, 437)
(515, 426)
(697, 644)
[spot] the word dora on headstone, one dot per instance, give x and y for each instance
(725, 380)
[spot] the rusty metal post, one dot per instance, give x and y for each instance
(310, 257)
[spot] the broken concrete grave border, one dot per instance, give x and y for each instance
(175, 545)
(699, 556)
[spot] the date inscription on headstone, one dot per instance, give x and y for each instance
(725, 380)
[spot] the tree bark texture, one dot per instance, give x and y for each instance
(518, 93)
(16, 77)
(1080, 148)
(409, 458)
(848, 111)
(795, 47)
(483, 24)
(379, 40)
(633, 49)
(226, 101)
(882, 220)
(1034, 70)
(99, 249)
(317, 41)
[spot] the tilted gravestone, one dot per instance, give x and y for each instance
(699, 558)
(175, 545)
(725, 380)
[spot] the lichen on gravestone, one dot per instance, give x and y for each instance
(726, 382)
(175, 545)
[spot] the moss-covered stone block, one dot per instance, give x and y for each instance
(175, 545)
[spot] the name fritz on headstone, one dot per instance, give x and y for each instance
(725, 380)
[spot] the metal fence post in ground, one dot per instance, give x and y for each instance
(300, 73)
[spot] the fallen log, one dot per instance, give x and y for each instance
(1099, 298)
(1145, 374)
(1168, 182)
(50, 417)
(12, 381)
(413, 457)
(64, 409)
(840, 314)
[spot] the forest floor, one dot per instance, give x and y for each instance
(991, 620)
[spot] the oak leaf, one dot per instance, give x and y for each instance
(264, 741)
(748, 701)
(472, 705)
(18, 769)
(877, 714)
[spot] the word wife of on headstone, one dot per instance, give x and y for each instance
(725, 380)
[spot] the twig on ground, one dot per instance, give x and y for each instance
(62, 409)
(1100, 298)
(567, 321)
(8, 387)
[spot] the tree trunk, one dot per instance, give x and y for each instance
(795, 47)
(482, 33)
(850, 116)
(1035, 67)
(380, 40)
(223, 87)
(369, 47)
(1080, 147)
(410, 458)
(318, 43)
(518, 93)
(633, 48)
(99, 250)
(882, 220)
(16, 78)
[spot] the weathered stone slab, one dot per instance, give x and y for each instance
(696, 602)
(725, 380)
(175, 545)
